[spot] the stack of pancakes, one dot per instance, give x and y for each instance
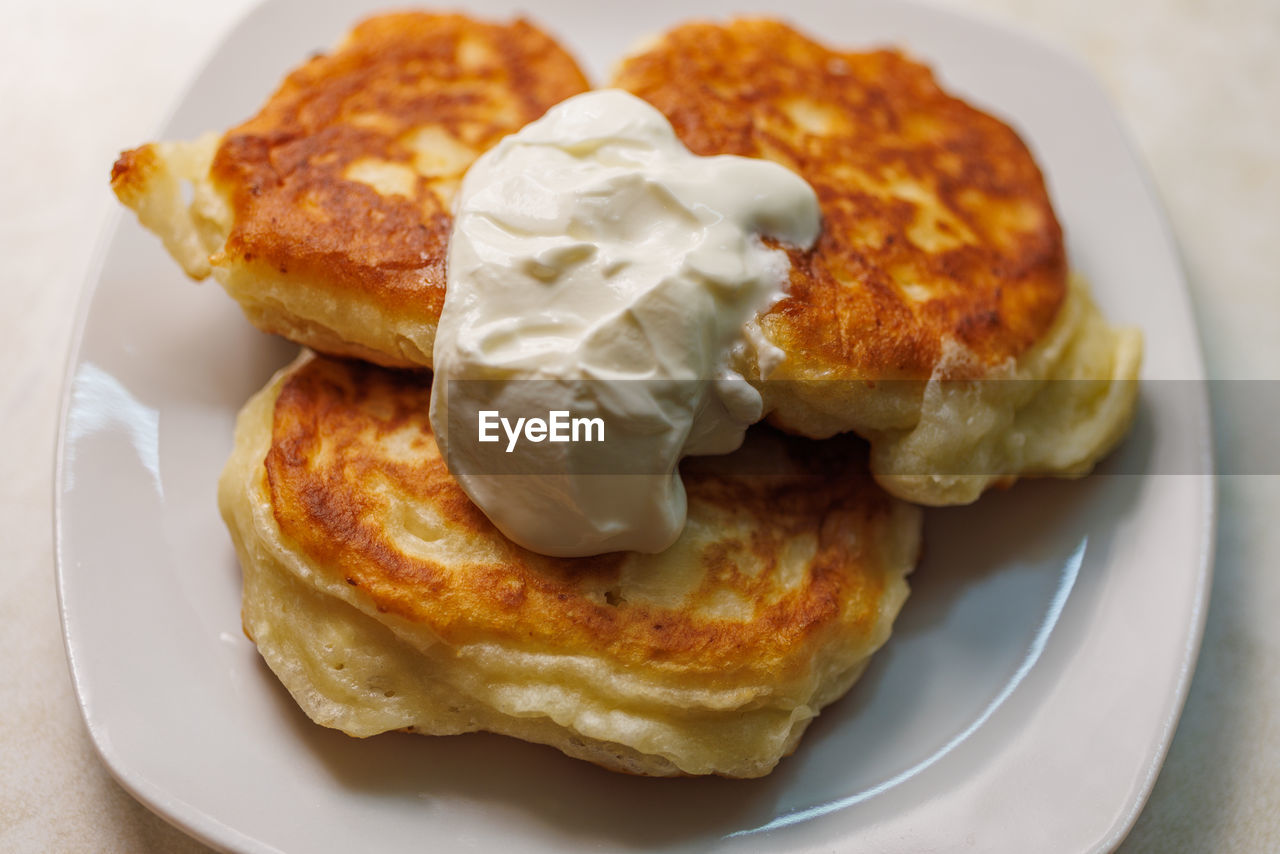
(935, 318)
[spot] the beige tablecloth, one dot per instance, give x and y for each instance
(1198, 84)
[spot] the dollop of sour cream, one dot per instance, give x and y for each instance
(598, 267)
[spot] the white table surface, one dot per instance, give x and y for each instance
(1198, 85)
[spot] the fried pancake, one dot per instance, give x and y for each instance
(935, 316)
(384, 600)
(940, 272)
(327, 215)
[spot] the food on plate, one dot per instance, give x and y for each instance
(940, 260)
(903, 278)
(383, 598)
(326, 216)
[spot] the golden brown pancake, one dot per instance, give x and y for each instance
(327, 215)
(935, 317)
(940, 260)
(936, 222)
(385, 600)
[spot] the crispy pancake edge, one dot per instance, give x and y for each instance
(326, 214)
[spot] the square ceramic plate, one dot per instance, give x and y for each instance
(1025, 701)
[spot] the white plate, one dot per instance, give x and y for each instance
(1024, 703)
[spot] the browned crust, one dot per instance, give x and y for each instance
(726, 87)
(328, 477)
(129, 174)
(283, 169)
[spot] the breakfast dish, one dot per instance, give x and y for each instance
(326, 216)
(920, 298)
(940, 260)
(384, 599)
(378, 593)
(1050, 633)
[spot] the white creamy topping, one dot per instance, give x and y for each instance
(596, 253)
